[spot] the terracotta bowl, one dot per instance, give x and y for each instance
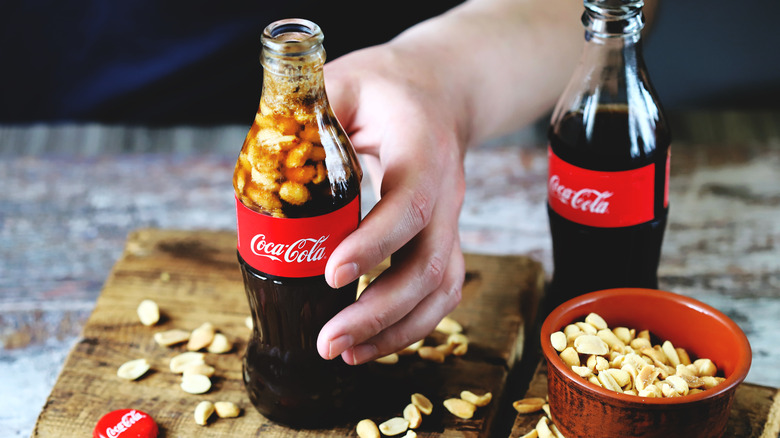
(582, 409)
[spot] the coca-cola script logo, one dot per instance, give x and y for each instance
(126, 422)
(585, 199)
(305, 250)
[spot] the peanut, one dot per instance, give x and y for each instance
(411, 349)
(570, 357)
(171, 337)
(590, 344)
(596, 321)
(203, 411)
(394, 426)
(195, 383)
(226, 409)
(198, 368)
(558, 341)
(431, 354)
(449, 326)
(460, 408)
(148, 312)
(219, 344)
(180, 361)
(529, 405)
(367, 429)
(132, 370)
(390, 359)
(477, 400)
(201, 337)
(413, 416)
(423, 404)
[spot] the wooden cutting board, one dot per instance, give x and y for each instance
(194, 278)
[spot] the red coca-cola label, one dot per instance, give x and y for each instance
(598, 198)
(293, 247)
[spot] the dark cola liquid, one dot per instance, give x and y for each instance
(286, 379)
(588, 258)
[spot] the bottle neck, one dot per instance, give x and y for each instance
(293, 58)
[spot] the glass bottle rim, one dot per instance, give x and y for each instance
(292, 37)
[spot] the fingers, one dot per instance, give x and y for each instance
(407, 300)
(391, 313)
(418, 323)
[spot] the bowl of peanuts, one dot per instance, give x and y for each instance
(641, 363)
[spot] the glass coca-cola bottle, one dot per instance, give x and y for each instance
(297, 186)
(608, 180)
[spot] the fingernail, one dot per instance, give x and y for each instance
(338, 345)
(363, 353)
(345, 274)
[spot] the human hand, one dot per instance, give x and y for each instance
(406, 127)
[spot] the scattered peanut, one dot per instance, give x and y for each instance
(133, 369)
(529, 405)
(449, 326)
(201, 337)
(198, 368)
(219, 344)
(148, 312)
(367, 429)
(394, 426)
(390, 359)
(171, 337)
(203, 411)
(411, 349)
(431, 353)
(195, 383)
(460, 408)
(226, 409)
(180, 361)
(413, 416)
(423, 404)
(478, 400)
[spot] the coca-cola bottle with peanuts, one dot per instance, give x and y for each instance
(608, 180)
(297, 187)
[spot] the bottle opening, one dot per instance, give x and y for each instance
(293, 35)
(291, 28)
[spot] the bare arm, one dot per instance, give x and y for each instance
(412, 107)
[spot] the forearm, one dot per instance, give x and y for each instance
(500, 64)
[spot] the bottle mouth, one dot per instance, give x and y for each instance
(613, 18)
(292, 37)
(614, 8)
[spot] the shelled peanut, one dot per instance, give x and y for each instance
(624, 360)
(282, 160)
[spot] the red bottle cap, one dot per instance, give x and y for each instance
(125, 423)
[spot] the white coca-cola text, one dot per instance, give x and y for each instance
(125, 423)
(585, 199)
(304, 250)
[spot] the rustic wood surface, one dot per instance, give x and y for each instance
(754, 414)
(194, 277)
(72, 193)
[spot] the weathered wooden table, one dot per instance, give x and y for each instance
(72, 194)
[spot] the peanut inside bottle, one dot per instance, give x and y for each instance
(296, 160)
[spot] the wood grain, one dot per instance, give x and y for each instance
(194, 277)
